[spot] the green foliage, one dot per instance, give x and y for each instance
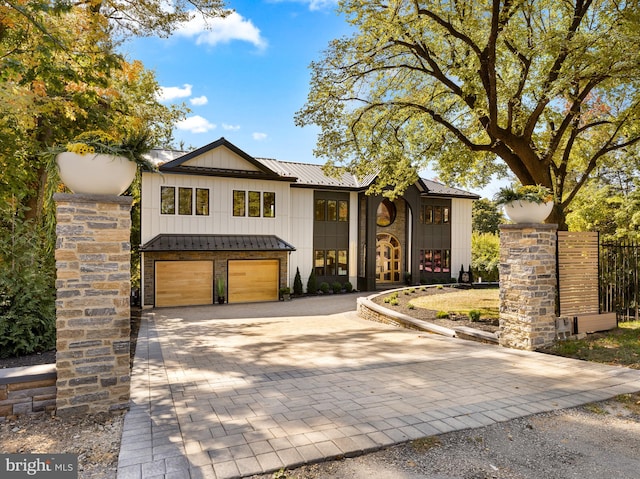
(220, 287)
(394, 302)
(324, 287)
(474, 315)
(297, 284)
(312, 283)
(534, 193)
(469, 89)
(442, 315)
(336, 287)
(612, 211)
(410, 306)
(486, 217)
(348, 287)
(485, 256)
(27, 291)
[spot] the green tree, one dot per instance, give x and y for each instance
(485, 256)
(486, 216)
(548, 89)
(60, 74)
(297, 284)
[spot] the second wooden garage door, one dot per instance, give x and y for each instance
(184, 283)
(253, 280)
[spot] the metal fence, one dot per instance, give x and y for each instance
(619, 275)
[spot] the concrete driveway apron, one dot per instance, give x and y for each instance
(236, 390)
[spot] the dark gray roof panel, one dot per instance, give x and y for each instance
(313, 175)
(435, 188)
(178, 242)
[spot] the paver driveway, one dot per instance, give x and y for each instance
(223, 398)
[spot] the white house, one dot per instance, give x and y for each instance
(218, 213)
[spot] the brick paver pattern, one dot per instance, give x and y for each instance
(230, 398)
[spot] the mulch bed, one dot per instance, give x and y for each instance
(490, 325)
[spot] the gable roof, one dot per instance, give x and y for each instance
(261, 171)
(303, 175)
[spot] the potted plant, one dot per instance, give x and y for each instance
(285, 293)
(221, 290)
(525, 204)
(97, 163)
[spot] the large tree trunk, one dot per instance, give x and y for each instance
(558, 217)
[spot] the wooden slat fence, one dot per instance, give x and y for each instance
(578, 282)
(578, 272)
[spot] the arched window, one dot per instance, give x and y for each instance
(386, 213)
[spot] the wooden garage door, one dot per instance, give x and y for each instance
(253, 280)
(184, 283)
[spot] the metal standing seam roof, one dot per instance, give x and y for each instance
(180, 242)
(302, 174)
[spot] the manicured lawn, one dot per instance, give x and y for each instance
(620, 346)
(461, 301)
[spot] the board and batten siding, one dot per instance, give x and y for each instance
(222, 158)
(220, 219)
(301, 234)
(460, 235)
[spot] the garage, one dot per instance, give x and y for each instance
(182, 283)
(253, 280)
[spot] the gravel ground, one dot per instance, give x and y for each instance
(95, 439)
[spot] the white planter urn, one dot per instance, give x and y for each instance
(521, 211)
(96, 174)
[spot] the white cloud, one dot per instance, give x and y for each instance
(259, 136)
(222, 30)
(313, 4)
(321, 4)
(230, 127)
(168, 93)
(199, 101)
(195, 124)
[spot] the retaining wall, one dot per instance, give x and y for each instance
(27, 390)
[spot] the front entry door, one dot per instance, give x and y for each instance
(388, 259)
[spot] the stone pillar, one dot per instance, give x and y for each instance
(527, 285)
(93, 282)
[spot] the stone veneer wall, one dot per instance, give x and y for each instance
(93, 254)
(27, 390)
(528, 285)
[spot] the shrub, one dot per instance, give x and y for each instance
(439, 287)
(297, 284)
(394, 302)
(312, 284)
(410, 306)
(348, 287)
(442, 315)
(337, 287)
(324, 287)
(27, 293)
(387, 300)
(474, 315)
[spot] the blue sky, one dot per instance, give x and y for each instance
(246, 77)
